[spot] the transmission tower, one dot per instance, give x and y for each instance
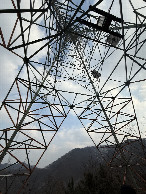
(99, 53)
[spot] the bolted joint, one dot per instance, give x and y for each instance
(26, 60)
(127, 83)
(113, 98)
(71, 106)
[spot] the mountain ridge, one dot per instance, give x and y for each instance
(76, 162)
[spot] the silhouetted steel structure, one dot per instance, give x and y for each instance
(78, 41)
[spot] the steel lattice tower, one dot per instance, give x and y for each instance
(94, 50)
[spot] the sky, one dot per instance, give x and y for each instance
(72, 133)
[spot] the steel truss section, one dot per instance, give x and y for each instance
(76, 42)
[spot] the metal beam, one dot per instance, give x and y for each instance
(129, 26)
(89, 24)
(108, 15)
(22, 10)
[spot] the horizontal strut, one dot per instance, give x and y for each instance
(22, 10)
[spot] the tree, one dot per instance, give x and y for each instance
(101, 181)
(70, 187)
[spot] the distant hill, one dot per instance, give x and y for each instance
(76, 162)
